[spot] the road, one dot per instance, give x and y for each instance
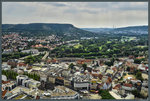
(45, 56)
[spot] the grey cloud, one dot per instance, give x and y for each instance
(55, 4)
(80, 14)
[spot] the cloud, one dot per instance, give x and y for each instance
(55, 4)
(80, 14)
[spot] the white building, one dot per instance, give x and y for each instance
(32, 51)
(22, 66)
(27, 82)
(81, 85)
(8, 85)
(61, 92)
(81, 81)
(21, 79)
(30, 83)
(7, 51)
(4, 78)
(106, 86)
(6, 67)
(128, 87)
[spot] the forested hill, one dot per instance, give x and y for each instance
(44, 29)
(140, 28)
(130, 30)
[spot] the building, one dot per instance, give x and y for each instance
(51, 79)
(81, 85)
(12, 62)
(8, 85)
(93, 84)
(27, 82)
(67, 83)
(32, 51)
(61, 92)
(143, 68)
(46, 86)
(81, 81)
(144, 92)
(21, 66)
(21, 79)
(7, 51)
(59, 81)
(86, 61)
(30, 83)
(4, 78)
(128, 87)
(6, 67)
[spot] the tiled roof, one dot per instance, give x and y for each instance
(5, 82)
(117, 86)
(22, 64)
(128, 85)
(4, 93)
(83, 61)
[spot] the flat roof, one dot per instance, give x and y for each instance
(67, 91)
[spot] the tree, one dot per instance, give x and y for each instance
(97, 63)
(109, 63)
(84, 66)
(71, 66)
(138, 61)
(10, 74)
(128, 68)
(105, 94)
(139, 76)
(137, 93)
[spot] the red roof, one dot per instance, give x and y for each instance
(53, 61)
(128, 85)
(95, 75)
(114, 69)
(5, 82)
(110, 79)
(100, 76)
(37, 97)
(140, 57)
(117, 86)
(60, 78)
(83, 61)
(3, 93)
(22, 64)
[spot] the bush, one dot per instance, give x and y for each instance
(139, 76)
(10, 74)
(138, 61)
(105, 94)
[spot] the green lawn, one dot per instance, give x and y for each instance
(100, 48)
(108, 41)
(77, 45)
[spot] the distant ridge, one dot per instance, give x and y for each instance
(44, 29)
(144, 27)
(129, 30)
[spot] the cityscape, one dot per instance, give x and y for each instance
(63, 61)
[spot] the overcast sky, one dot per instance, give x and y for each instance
(80, 14)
